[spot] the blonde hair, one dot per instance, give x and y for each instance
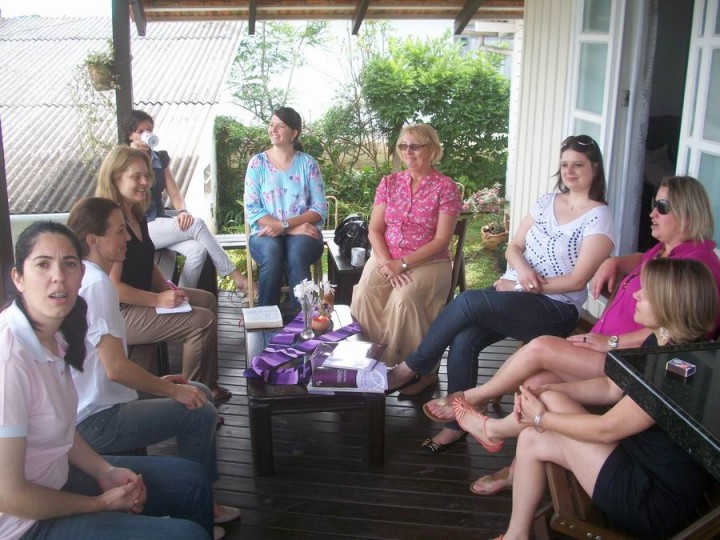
(113, 166)
(426, 135)
(683, 295)
(690, 204)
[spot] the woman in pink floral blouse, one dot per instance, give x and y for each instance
(407, 279)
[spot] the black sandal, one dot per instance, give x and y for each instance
(415, 379)
(433, 448)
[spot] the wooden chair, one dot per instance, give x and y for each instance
(332, 203)
(573, 514)
(458, 263)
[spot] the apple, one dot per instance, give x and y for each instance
(320, 323)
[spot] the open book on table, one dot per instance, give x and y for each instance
(262, 317)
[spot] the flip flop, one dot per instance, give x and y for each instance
(461, 408)
(493, 483)
(446, 401)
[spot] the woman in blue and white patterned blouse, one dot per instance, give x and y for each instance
(285, 206)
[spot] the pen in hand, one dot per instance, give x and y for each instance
(181, 294)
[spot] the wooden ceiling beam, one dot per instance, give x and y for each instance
(359, 15)
(252, 16)
(137, 12)
(466, 14)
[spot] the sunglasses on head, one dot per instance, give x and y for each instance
(662, 206)
(581, 140)
(412, 147)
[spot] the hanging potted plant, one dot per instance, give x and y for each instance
(489, 201)
(101, 69)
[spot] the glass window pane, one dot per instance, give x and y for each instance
(712, 106)
(596, 16)
(583, 127)
(591, 79)
(709, 175)
(717, 22)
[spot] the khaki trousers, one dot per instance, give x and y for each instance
(196, 329)
(400, 317)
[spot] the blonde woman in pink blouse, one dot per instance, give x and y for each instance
(407, 279)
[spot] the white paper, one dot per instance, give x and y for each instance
(182, 308)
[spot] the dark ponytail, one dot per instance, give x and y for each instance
(74, 326)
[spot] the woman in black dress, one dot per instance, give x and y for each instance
(634, 471)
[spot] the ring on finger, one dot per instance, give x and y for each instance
(531, 286)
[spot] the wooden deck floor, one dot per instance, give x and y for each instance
(322, 489)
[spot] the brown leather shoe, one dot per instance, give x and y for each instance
(425, 382)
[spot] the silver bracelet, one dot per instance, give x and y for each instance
(538, 422)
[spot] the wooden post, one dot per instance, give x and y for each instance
(123, 65)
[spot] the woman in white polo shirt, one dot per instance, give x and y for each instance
(111, 418)
(54, 486)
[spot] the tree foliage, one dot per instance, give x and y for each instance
(272, 53)
(463, 97)
(390, 83)
(235, 144)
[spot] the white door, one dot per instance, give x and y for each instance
(593, 76)
(613, 51)
(699, 152)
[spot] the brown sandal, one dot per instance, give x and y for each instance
(445, 402)
(496, 482)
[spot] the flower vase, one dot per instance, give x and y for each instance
(307, 312)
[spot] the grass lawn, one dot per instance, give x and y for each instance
(482, 267)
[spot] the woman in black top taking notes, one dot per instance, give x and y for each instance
(125, 177)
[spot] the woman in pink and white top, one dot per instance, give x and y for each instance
(407, 279)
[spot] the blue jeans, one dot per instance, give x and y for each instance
(294, 251)
(175, 487)
(144, 422)
(478, 318)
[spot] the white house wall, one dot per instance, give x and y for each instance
(545, 61)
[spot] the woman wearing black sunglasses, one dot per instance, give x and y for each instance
(557, 248)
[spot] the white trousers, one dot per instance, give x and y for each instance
(195, 243)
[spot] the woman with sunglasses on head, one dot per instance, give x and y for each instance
(406, 281)
(634, 472)
(183, 233)
(554, 253)
(682, 222)
(54, 486)
(110, 416)
(285, 207)
(125, 178)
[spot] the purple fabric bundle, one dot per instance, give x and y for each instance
(283, 360)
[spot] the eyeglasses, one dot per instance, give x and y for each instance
(581, 140)
(412, 147)
(662, 206)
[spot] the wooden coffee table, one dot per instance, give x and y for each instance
(266, 400)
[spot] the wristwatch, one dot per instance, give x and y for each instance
(285, 224)
(613, 342)
(403, 263)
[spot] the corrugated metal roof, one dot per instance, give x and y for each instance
(178, 73)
